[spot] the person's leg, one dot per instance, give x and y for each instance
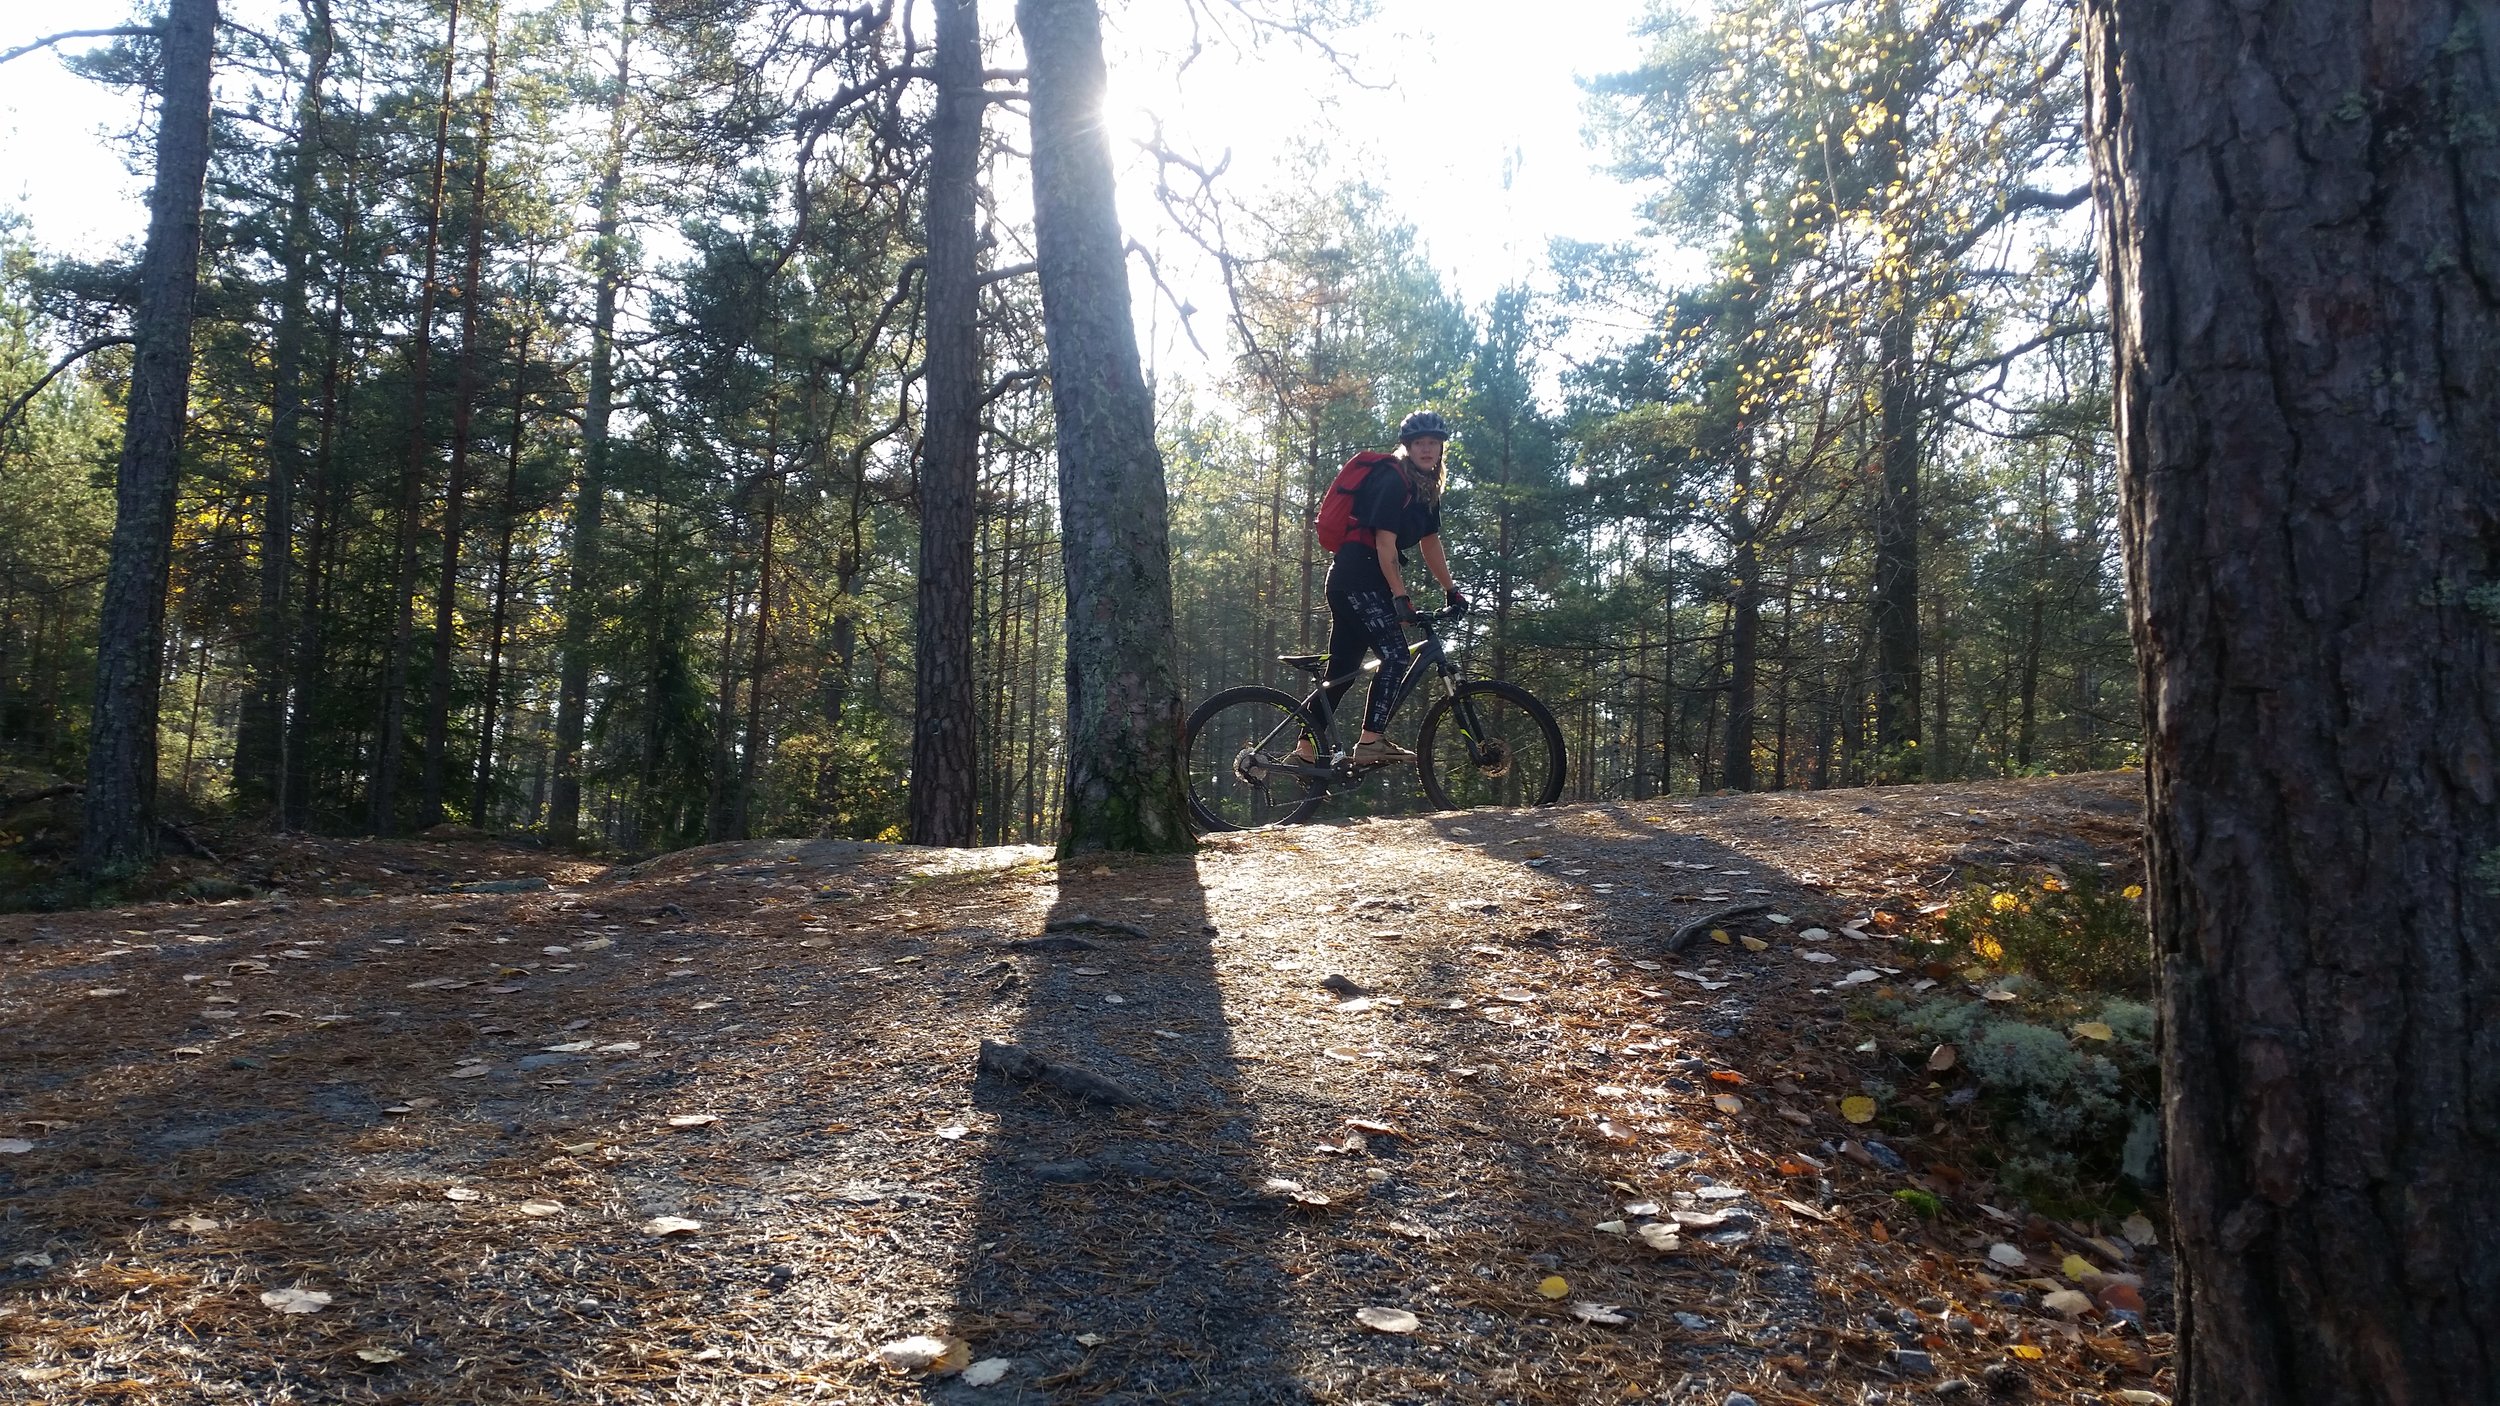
(1379, 617)
(1347, 639)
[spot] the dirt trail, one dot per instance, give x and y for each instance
(461, 1117)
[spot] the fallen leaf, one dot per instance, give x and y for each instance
(471, 1071)
(989, 1371)
(380, 1356)
(2079, 1269)
(1858, 1108)
(2139, 1231)
(1554, 1286)
(1613, 1227)
(1818, 956)
(12, 1146)
(2007, 1255)
(693, 1120)
(1386, 1320)
(1091, 1340)
(954, 1132)
(570, 1047)
(296, 1300)
(1944, 1058)
(2067, 1303)
(1726, 1076)
(1659, 1237)
(1719, 936)
(105, 992)
(2138, 1396)
(671, 1225)
(539, 1210)
(1609, 1314)
(1859, 977)
(2028, 1353)
(195, 1225)
(463, 1193)
(1728, 1103)
(923, 1353)
(1755, 944)
(2095, 1030)
(1809, 1212)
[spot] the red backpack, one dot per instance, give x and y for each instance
(1336, 510)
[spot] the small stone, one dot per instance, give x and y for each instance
(1737, 1398)
(1953, 1386)
(1912, 1360)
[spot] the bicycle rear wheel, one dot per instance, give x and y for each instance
(1227, 751)
(1491, 744)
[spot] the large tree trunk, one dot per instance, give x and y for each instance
(1896, 552)
(382, 797)
(1744, 627)
(1124, 705)
(581, 586)
(120, 831)
(481, 800)
(260, 768)
(2303, 251)
(456, 491)
(945, 717)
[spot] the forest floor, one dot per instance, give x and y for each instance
(710, 1128)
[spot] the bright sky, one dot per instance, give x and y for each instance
(1476, 133)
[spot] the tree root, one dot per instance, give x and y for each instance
(1691, 928)
(1018, 1063)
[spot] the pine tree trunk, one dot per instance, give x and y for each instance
(260, 766)
(2302, 203)
(581, 602)
(945, 715)
(1896, 554)
(456, 492)
(1123, 789)
(751, 757)
(309, 645)
(501, 614)
(382, 797)
(2027, 731)
(1744, 610)
(120, 831)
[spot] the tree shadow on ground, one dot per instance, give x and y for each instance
(1124, 1253)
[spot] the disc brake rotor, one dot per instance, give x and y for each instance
(1497, 757)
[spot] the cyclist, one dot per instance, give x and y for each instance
(1398, 507)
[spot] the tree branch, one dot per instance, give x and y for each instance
(25, 398)
(1001, 275)
(46, 42)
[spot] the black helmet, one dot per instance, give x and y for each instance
(1420, 424)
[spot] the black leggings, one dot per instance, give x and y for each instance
(1365, 616)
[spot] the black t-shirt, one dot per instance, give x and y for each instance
(1384, 504)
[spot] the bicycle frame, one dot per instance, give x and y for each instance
(1427, 656)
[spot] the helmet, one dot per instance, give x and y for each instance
(1420, 424)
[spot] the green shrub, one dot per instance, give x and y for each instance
(2075, 932)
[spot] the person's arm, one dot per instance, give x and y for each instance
(1385, 543)
(1437, 561)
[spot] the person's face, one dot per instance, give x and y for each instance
(1425, 450)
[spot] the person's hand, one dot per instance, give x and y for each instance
(1406, 611)
(1458, 600)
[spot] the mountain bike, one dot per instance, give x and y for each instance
(1482, 743)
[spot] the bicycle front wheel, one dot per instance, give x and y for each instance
(1491, 744)
(1228, 755)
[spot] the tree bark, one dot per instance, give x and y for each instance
(2302, 246)
(945, 719)
(120, 829)
(260, 766)
(1744, 623)
(382, 797)
(581, 586)
(1123, 788)
(456, 491)
(501, 612)
(1896, 551)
